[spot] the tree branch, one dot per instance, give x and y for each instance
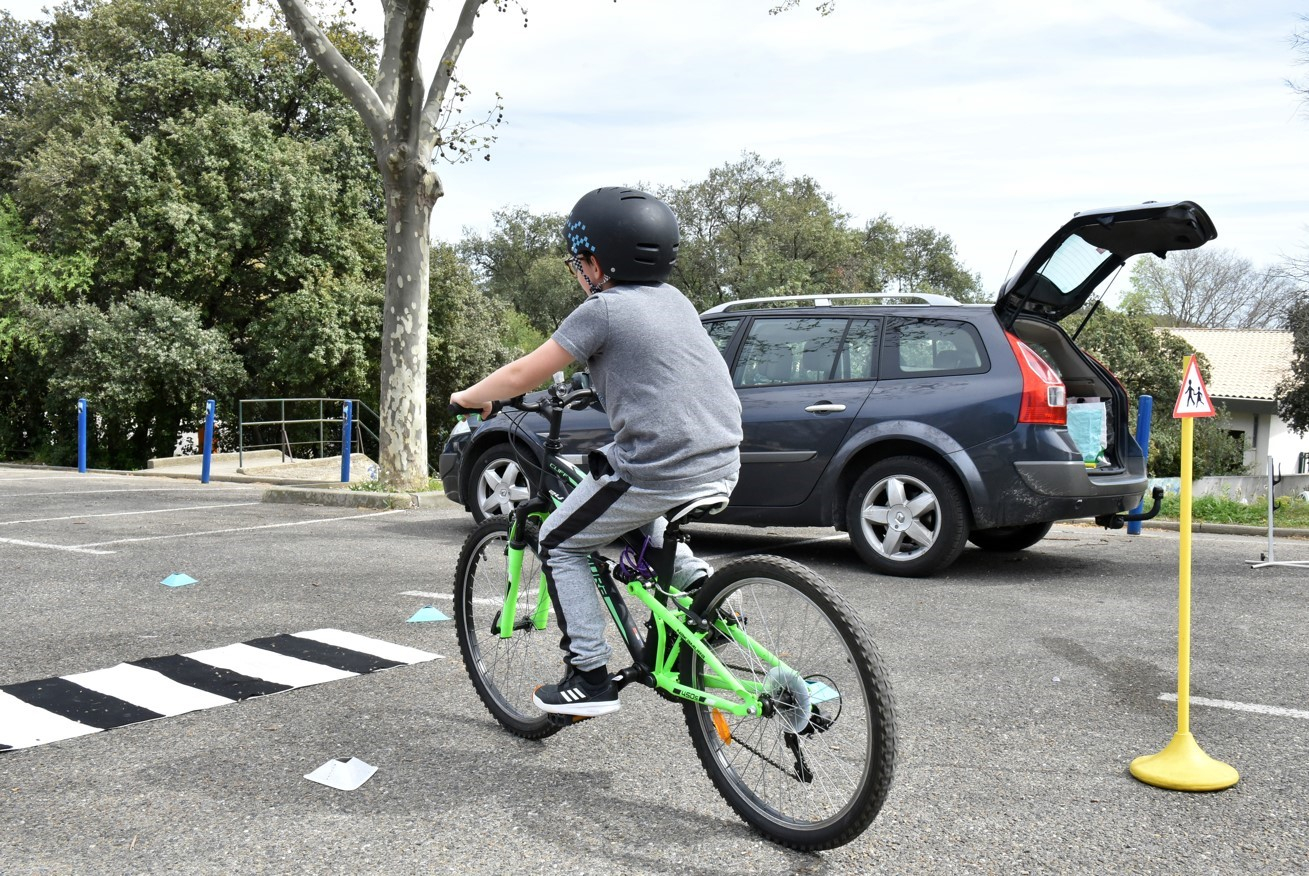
(430, 123)
(400, 80)
(336, 68)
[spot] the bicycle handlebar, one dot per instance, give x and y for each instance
(560, 395)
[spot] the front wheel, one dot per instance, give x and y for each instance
(813, 769)
(505, 671)
(497, 482)
(906, 517)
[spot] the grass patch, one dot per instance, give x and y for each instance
(1289, 512)
(433, 486)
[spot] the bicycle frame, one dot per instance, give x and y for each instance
(671, 623)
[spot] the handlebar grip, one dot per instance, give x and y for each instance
(458, 410)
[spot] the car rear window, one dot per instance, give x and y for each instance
(721, 331)
(925, 347)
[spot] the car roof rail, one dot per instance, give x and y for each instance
(915, 299)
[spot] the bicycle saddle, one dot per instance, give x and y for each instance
(697, 508)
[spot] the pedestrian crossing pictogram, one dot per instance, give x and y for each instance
(64, 707)
(1193, 398)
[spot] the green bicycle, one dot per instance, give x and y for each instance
(783, 691)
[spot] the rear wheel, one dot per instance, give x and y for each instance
(1009, 538)
(813, 770)
(505, 672)
(906, 517)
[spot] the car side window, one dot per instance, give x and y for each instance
(858, 359)
(721, 331)
(795, 350)
(928, 347)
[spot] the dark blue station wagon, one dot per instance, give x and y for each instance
(915, 424)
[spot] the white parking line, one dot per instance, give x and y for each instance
(97, 544)
(129, 513)
(54, 547)
(207, 489)
(62, 477)
(451, 598)
(1277, 711)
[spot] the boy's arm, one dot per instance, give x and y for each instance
(519, 376)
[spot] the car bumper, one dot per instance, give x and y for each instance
(451, 464)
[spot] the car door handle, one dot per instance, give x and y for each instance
(825, 408)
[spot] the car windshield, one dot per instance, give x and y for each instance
(1073, 262)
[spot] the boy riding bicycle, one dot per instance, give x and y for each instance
(643, 344)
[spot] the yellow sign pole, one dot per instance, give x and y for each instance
(1183, 765)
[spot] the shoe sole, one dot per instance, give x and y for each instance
(583, 710)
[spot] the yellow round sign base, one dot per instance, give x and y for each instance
(1183, 766)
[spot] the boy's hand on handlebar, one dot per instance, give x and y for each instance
(458, 405)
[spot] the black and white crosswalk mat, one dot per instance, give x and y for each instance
(37, 712)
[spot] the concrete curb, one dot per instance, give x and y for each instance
(341, 498)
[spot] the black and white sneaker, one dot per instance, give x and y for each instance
(574, 695)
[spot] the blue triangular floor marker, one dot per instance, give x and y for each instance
(178, 579)
(427, 613)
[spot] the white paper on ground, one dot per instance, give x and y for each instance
(344, 775)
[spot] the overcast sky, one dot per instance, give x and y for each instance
(993, 122)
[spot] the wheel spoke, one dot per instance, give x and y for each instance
(879, 515)
(920, 535)
(922, 504)
(895, 493)
(891, 542)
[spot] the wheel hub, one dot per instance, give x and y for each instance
(900, 518)
(790, 697)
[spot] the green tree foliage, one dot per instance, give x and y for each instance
(171, 147)
(319, 341)
(1293, 392)
(146, 364)
(1148, 361)
(471, 334)
(748, 231)
(915, 259)
(520, 264)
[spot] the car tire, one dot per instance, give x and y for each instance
(1010, 538)
(906, 517)
(497, 482)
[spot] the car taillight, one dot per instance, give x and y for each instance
(1044, 400)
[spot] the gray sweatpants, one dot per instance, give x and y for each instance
(595, 514)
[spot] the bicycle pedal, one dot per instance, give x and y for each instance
(566, 720)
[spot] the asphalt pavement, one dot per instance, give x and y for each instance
(1026, 683)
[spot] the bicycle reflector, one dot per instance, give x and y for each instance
(1044, 399)
(720, 724)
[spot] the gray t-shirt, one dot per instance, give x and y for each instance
(665, 386)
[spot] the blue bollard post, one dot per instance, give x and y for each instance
(1144, 408)
(81, 435)
(346, 428)
(209, 442)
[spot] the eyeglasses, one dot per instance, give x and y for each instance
(573, 263)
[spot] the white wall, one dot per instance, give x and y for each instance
(1284, 446)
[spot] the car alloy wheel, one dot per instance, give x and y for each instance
(499, 483)
(906, 517)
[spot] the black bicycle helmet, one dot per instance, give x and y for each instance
(634, 234)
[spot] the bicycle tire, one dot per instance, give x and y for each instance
(505, 672)
(815, 772)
